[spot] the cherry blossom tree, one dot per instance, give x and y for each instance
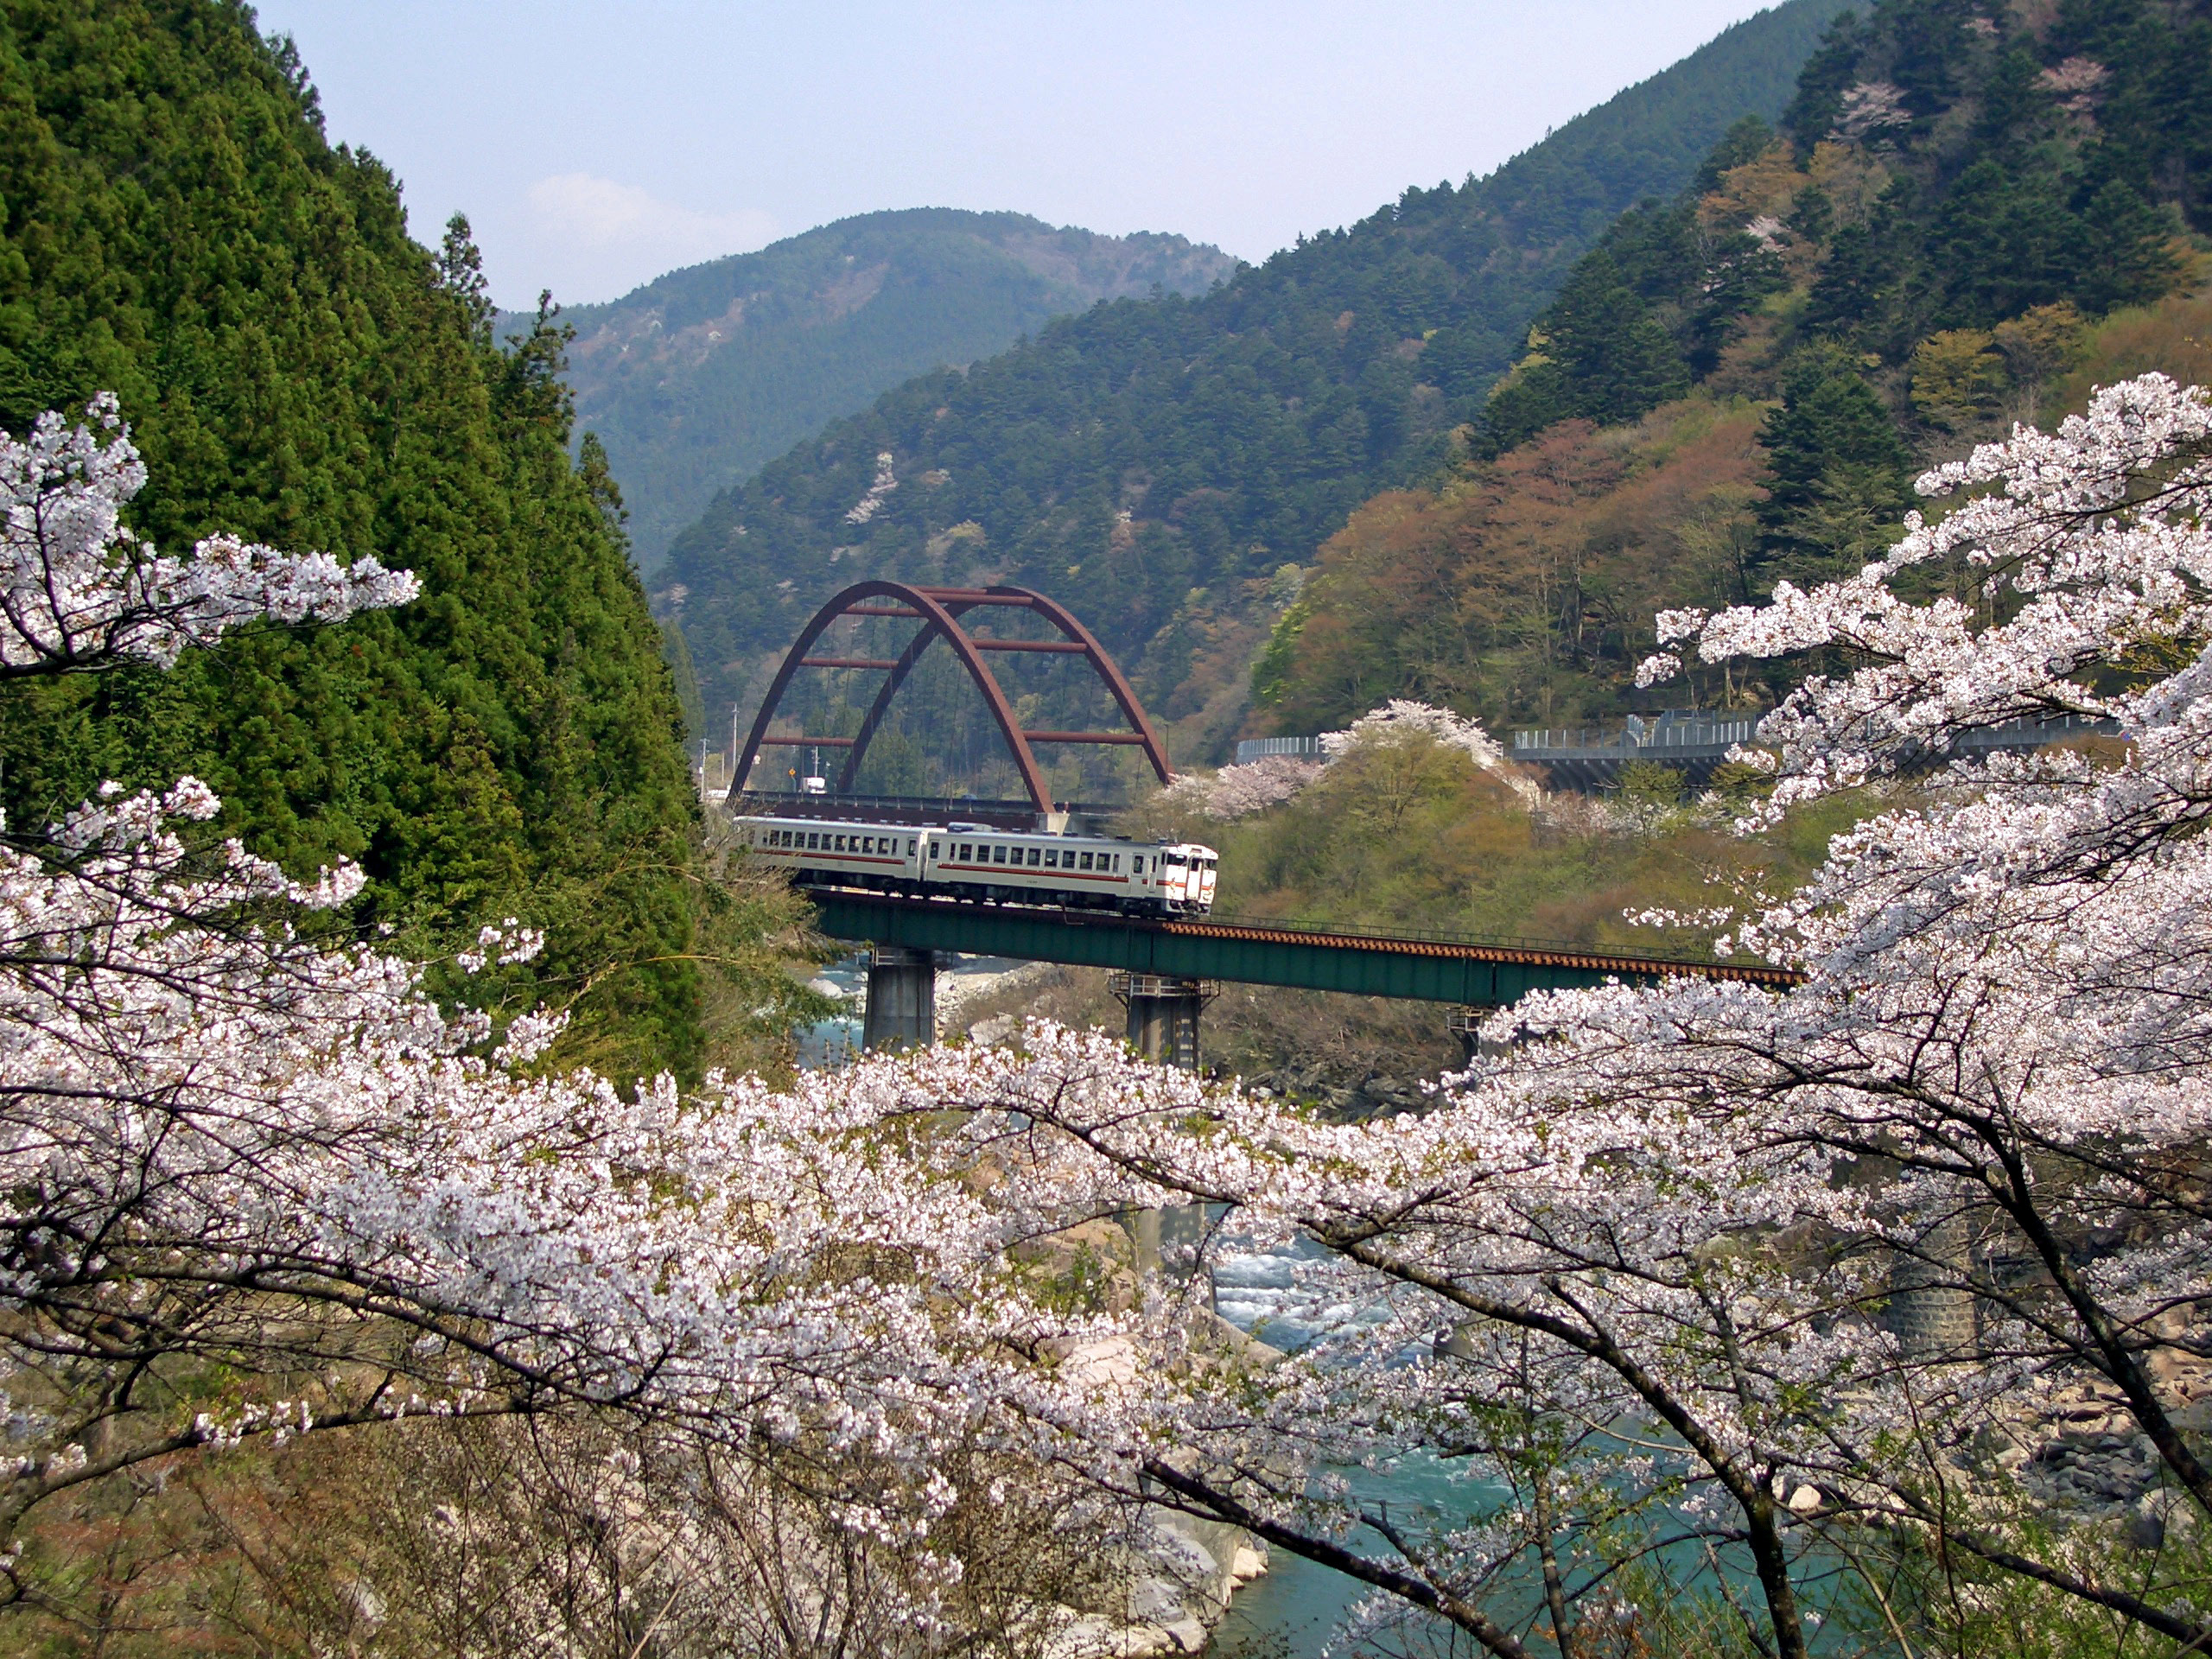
(1239, 791)
(255, 1184)
(1697, 1231)
(1640, 1277)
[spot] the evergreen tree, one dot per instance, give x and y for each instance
(1839, 475)
(174, 226)
(1608, 360)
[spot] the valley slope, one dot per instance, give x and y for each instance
(1167, 467)
(701, 377)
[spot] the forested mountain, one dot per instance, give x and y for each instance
(178, 229)
(1965, 217)
(1157, 463)
(700, 378)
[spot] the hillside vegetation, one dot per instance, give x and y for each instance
(1965, 219)
(178, 229)
(1157, 464)
(700, 378)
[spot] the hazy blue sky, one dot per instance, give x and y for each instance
(596, 145)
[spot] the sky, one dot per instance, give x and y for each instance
(595, 145)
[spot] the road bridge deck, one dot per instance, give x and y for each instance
(1428, 969)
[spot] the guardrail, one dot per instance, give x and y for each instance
(1249, 749)
(1635, 736)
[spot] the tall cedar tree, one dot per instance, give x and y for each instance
(178, 229)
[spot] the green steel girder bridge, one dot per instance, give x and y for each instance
(1163, 968)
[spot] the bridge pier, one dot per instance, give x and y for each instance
(901, 998)
(1164, 1016)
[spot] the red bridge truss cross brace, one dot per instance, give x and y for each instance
(939, 611)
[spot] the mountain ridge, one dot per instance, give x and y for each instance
(1160, 464)
(1964, 222)
(695, 380)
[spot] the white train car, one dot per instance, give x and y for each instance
(994, 866)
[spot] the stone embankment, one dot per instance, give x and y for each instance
(1177, 1573)
(1376, 1095)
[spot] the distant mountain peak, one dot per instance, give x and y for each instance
(697, 378)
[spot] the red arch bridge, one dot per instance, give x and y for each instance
(1165, 970)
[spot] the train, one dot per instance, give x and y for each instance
(1004, 866)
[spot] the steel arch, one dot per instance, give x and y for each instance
(939, 611)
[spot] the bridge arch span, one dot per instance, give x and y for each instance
(939, 611)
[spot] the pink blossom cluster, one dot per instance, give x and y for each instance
(1239, 791)
(77, 589)
(877, 491)
(1650, 1262)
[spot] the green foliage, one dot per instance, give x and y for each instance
(1955, 201)
(1409, 833)
(702, 375)
(2032, 165)
(1838, 476)
(1235, 431)
(1648, 785)
(296, 369)
(1604, 358)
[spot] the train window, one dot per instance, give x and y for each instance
(1117, 863)
(1139, 865)
(910, 846)
(1051, 858)
(998, 854)
(933, 852)
(1036, 854)
(967, 854)
(1085, 861)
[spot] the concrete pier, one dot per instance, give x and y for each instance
(1164, 1016)
(901, 998)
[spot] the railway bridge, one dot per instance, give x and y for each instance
(1164, 969)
